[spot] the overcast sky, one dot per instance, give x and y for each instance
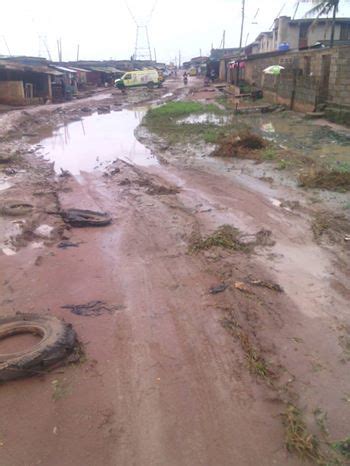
(106, 29)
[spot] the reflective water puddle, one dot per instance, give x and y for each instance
(97, 140)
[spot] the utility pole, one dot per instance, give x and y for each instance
(59, 49)
(240, 40)
(223, 39)
(78, 49)
(155, 55)
(6, 44)
(179, 59)
(200, 52)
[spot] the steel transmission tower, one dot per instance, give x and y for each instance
(142, 49)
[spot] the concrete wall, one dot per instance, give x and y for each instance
(303, 77)
(12, 92)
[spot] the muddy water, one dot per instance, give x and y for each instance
(97, 140)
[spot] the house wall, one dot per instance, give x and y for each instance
(322, 32)
(303, 77)
(11, 92)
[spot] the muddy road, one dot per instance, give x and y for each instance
(199, 351)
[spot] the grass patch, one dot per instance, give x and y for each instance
(325, 178)
(298, 438)
(226, 237)
(269, 153)
(342, 447)
(164, 121)
(180, 109)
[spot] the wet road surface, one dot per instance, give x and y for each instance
(163, 382)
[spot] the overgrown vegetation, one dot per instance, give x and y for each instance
(333, 179)
(335, 227)
(298, 438)
(244, 145)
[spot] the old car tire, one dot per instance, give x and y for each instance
(58, 341)
(85, 218)
(150, 85)
(15, 208)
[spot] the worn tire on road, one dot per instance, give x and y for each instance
(15, 208)
(58, 341)
(85, 218)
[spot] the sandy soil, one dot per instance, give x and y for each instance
(166, 379)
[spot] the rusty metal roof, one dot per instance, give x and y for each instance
(14, 66)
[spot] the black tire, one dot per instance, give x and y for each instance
(58, 341)
(85, 218)
(15, 208)
(150, 85)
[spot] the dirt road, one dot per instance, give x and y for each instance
(167, 379)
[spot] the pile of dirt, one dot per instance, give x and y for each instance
(245, 145)
(333, 180)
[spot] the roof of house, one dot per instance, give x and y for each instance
(24, 67)
(295, 22)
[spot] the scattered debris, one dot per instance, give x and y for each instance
(298, 438)
(241, 286)
(8, 251)
(10, 171)
(85, 218)
(58, 341)
(245, 145)
(264, 284)
(44, 231)
(218, 289)
(91, 309)
(67, 244)
(226, 237)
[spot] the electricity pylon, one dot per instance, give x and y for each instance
(142, 49)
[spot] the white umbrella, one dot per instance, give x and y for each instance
(274, 69)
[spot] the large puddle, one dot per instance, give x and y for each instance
(97, 140)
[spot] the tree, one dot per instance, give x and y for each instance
(324, 7)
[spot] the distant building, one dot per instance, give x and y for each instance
(288, 34)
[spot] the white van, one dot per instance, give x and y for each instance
(149, 78)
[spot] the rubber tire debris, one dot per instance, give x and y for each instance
(85, 218)
(57, 343)
(90, 309)
(15, 208)
(218, 289)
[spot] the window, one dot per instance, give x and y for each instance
(127, 76)
(345, 32)
(307, 66)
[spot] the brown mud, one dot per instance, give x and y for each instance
(174, 374)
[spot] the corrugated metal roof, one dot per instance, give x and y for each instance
(63, 68)
(12, 66)
(80, 69)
